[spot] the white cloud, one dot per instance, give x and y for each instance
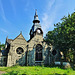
(27, 5)
(3, 13)
(13, 6)
(3, 30)
(49, 16)
(50, 4)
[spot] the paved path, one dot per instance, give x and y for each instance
(1, 72)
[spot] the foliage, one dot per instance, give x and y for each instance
(32, 70)
(2, 45)
(63, 36)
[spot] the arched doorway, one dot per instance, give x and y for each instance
(38, 54)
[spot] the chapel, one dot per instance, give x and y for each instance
(35, 51)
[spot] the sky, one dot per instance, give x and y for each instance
(18, 15)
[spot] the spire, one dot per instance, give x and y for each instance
(36, 26)
(20, 32)
(6, 38)
(36, 20)
(36, 12)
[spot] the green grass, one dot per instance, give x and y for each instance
(30, 70)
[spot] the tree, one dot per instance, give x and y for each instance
(63, 36)
(2, 45)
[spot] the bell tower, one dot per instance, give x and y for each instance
(36, 28)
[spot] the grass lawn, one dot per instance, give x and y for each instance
(30, 70)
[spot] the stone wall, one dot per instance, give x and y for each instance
(3, 60)
(13, 57)
(28, 56)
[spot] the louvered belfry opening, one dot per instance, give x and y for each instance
(38, 53)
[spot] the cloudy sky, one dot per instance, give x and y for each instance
(17, 15)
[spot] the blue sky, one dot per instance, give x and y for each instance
(17, 15)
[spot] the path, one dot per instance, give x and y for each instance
(1, 72)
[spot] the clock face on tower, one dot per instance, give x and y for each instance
(38, 31)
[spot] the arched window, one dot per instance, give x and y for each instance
(38, 54)
(19, 50)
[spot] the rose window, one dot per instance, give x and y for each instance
(19, 50)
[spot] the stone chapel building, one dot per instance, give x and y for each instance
(32, 52)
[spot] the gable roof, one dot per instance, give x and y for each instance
(19, 36)
(9, 40)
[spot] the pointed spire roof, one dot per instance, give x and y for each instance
(36, 12)
(20, 32)
(7, 38)
(36, 19)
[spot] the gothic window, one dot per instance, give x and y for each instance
(54, 52)
(38, 53)
(19, 50)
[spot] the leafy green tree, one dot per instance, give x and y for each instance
(63, 36)
(2, 45)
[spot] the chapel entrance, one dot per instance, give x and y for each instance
(38, 54)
